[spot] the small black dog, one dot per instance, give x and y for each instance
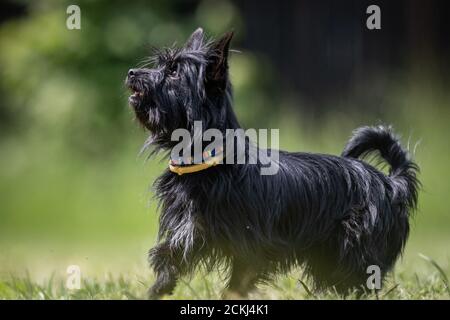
(334, 216)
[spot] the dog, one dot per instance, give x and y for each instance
(332, 215)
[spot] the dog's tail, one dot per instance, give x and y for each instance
(403, 172)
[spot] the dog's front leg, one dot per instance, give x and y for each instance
(166, 263)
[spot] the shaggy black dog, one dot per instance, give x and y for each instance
(332, 215)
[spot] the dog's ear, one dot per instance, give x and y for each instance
(217, 69)
(195, 41)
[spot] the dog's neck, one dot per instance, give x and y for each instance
(228, 118)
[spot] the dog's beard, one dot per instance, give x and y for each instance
(138, 91)
(140, 101)
(136, 99)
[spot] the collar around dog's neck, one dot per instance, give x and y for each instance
(211, 157)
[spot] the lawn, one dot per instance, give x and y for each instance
(74, 192)
(405, 283)
(62, 208)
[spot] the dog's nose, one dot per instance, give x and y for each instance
(131, 73)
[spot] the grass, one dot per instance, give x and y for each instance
(403, 285)
(44, 233)
(58, 208)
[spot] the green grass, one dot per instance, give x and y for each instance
(59, 207)
(97, 215)
(400, 285)
(73, 191)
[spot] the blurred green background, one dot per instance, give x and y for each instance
(73, 189)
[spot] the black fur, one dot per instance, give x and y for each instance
(332, 215)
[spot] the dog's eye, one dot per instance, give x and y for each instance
(173, 72)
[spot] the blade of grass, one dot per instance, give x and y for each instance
(309, 292)
(390, 290)
(439, 269)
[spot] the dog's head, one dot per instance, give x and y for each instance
(183, 85)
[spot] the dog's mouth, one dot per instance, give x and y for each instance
(136, 96)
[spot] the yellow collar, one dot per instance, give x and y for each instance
(211, 162)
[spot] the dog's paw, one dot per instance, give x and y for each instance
(153, 294)
(233, 295)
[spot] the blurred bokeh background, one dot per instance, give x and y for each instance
(73, 189)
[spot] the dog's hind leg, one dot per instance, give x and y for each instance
(243, 279)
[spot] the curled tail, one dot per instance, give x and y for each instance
(403, 172)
